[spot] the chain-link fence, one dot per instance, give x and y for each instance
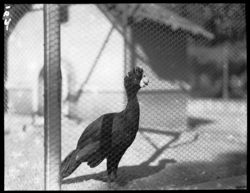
(192, 124)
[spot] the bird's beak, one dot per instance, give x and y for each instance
(144, 82)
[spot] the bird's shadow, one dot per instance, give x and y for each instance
(125, 173)
(195, 122)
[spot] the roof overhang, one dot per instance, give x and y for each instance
(156, 13)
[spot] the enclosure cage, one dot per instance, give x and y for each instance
(65, 66)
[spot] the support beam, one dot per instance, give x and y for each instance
(74, 98)
(52, 96)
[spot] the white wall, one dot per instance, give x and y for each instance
(81, 39)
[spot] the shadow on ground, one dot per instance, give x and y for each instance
(125, 173)
(168, 173)
(224, 165)
(195, 122)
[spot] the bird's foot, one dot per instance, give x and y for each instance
(112, 176)
(111, 179)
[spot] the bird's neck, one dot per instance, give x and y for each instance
(132, 105)
(132, 113)
(132, 101)
(131, 93)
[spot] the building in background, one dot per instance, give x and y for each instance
(156, 40)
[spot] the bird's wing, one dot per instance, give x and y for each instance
(90, 134)
(87, 150)
(96, 137)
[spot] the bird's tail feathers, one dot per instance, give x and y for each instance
(69, 164)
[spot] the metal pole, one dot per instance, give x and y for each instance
(52, 97)
(129, 46)
(6, 36)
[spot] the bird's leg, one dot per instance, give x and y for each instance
(112, 166)
(109, 172)
(109, 182)
(111, 178)
(115, 171)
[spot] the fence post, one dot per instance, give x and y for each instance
(6, 36)
(129, 56)
(52, 97)
(129, 46)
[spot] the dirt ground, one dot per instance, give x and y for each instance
(212, 147)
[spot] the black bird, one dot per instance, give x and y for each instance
(111, 134)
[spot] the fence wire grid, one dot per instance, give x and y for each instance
(193, 114)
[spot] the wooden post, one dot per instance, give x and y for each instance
(52, 97)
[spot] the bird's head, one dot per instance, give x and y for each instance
(135, 80)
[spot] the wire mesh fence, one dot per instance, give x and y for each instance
(192, 123)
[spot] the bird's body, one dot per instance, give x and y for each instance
(110, 135)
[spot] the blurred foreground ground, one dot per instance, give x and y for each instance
(211, 149)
